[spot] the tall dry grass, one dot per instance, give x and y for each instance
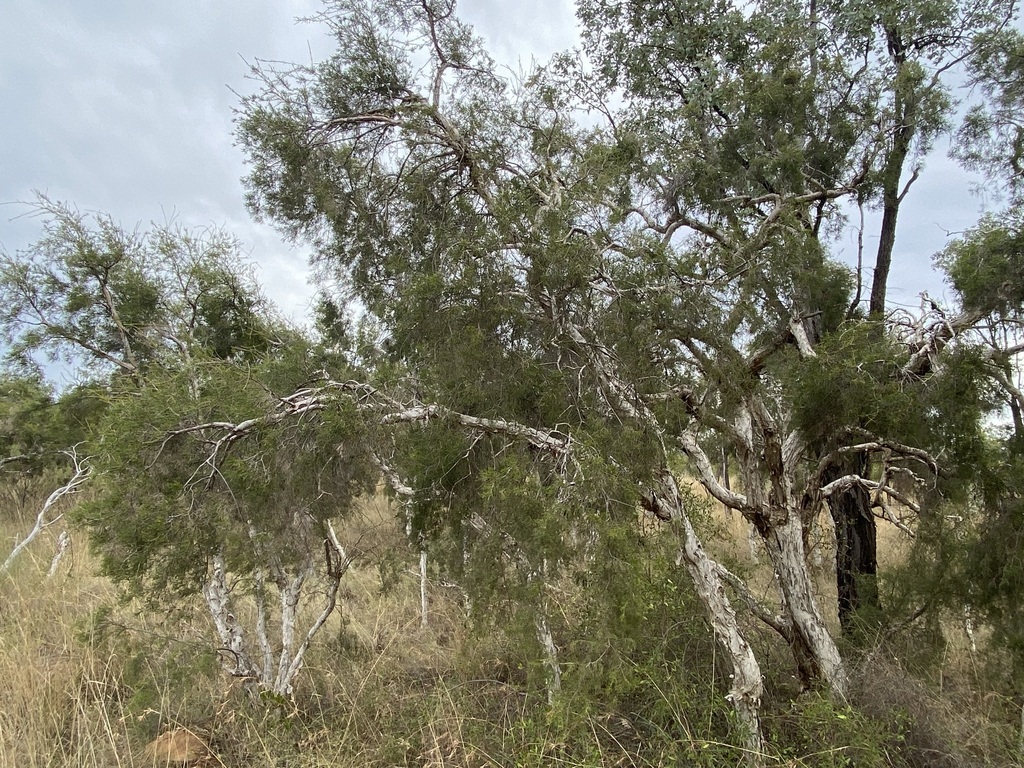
(55, 695)
(87, 682)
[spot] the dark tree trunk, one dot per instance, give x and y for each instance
(856, 554)
(905, 109)
(856, 533)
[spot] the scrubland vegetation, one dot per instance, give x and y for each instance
(592, 453)
(93, 681)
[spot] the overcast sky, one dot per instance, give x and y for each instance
(126, 107)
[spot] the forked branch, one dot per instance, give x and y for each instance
(81, 474)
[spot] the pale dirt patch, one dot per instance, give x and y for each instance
(180, 747)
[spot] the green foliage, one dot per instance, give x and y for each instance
(853, 381)
(172, 497)
(158, 672)
(993, 566)
(986, 265)
(819, 733)
(856, 381)
(92, 293)
(602, 290)
(755, 103)
(32, 429)
(991, 138)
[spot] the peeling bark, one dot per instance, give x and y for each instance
(232, 637)
(814, 650)
(63, 544)
(43, 517)
(547, 642)
(856, 557)
(424, 617)
(747, 685)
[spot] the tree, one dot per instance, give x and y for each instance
(612, 298)
(108, 299)
(985, 268)
(200, 499)
(991, 137)
(39, 433)
(796, 98)
(191, 500)
(45, 517)
(567, 318)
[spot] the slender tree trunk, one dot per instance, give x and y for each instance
(290, 595)
(547, 641)
(856, 531)
(43, 518)
(262, 627)
(886, 237)
(725, 478)
(63, 544)
(231, 635)
(903, 132)
(747, 685)
(424, 618)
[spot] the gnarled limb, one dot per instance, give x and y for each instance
(81, 474)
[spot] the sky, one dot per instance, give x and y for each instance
(126, 107)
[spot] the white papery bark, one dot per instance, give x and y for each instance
(289, 662)
(786, 549)
(63, 544)
(282, 657)
(747, 688)
(339, 561)
(775, 513)
(262, 628)
(43, 517)
(747, 684)
(217, 594)
(424, 618)
(547, 641)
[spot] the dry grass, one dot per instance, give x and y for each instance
(377, 688)
(54, 703)
(87, 683)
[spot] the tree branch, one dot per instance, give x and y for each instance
(81, 474)
(706, 474)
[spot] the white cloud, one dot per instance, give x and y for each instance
(125, 107)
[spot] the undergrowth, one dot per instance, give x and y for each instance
(91, 681)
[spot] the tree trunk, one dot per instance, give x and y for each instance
(232, 637)
(547, 641)
(886, 243)
(42, 519)
(63, 543)
(817, 657)
(747, 684)
(905, 128)
(424, 617)
(856, 546)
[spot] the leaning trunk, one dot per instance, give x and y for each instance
(814, 650)
(747, 686)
